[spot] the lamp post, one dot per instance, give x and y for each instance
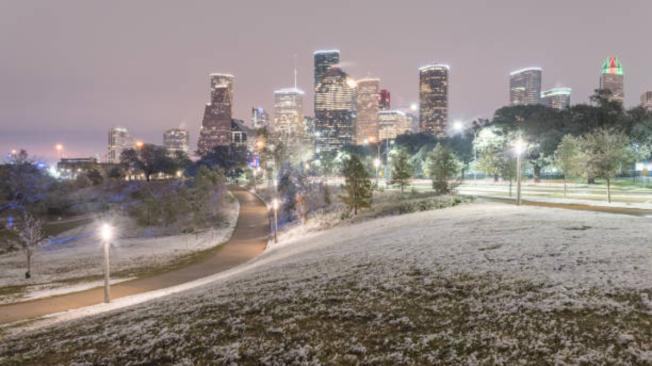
(256, 172)
(275, 208)
(458, 128)
(377, 165)
(106, 233)
(519, 148)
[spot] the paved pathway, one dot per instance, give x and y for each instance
(249, 239)
(633, 211)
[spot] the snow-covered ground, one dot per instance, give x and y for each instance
(69, 262)
(474, 284)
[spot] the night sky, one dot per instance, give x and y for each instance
(69, 70)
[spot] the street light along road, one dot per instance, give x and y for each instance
(106, 234)
(275, 208)
(519, 149)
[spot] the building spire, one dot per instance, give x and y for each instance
(295, 71)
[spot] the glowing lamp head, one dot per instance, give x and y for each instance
(458, 126)
(139, 144)
(275, 204)
(519, 146)
(106, 232)
(414, 107)
(58, 147)
(351, 83)
(376, 162)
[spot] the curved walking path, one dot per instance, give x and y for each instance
(248, 240)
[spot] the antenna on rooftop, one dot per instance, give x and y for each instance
(295, 71)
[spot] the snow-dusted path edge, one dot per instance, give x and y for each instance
(83, 260)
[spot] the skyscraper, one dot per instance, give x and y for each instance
(259, 117)
(367, 105)
(216, 125)
(288, 123)
(612, 78)
(385, 100)
(324, 59)
(334, 110)
(176, 140)
(557, 98)
(646, 100)
(392, 123)
(525, 86)
(119, 140)
(433, 98)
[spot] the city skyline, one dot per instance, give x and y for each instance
(88, 84)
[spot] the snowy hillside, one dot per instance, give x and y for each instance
(473, 284)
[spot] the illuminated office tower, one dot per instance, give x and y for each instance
(288, 123)
(385, 100)
(259, 117)
(119, 141)
(433, 98)
(392, 123)
(646, 100)
(525, 86)
(334, 110)
(324, 60)
(216, 124)
(557, 98)
(612, 78)
(176, 140)
(367, 106)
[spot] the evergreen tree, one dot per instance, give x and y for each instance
(442, 166)
(401, 170)
(357, 185)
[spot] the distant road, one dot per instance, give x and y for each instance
(248, 240)
(574, 206)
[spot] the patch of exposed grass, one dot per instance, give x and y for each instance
(414, 317)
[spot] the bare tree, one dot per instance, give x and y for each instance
(29, 235)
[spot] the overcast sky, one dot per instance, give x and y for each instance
(69, 70)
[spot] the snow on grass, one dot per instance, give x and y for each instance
(77, 255)
(474, 284)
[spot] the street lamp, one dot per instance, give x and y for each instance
(377, 165)
(458, 126)
(106, 234)
(519, 149)
(275, 208)
(139, 144)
